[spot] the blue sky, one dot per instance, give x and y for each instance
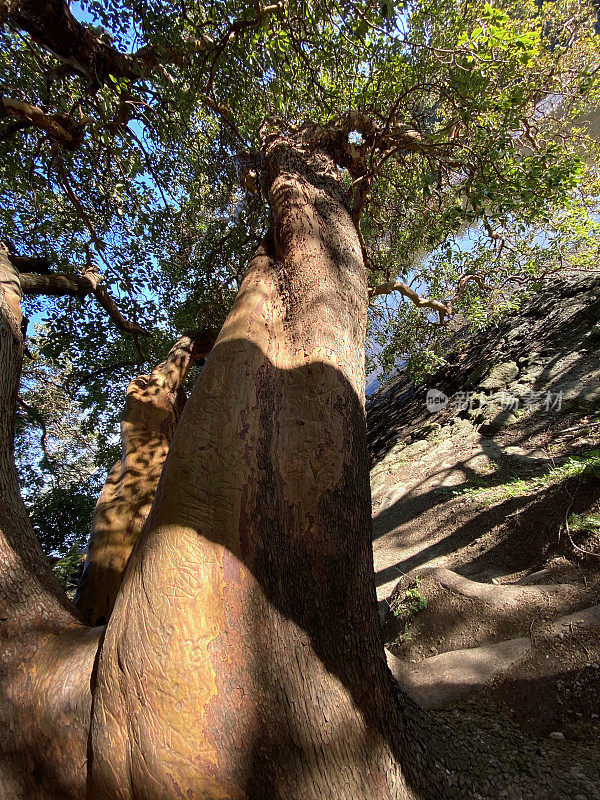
(80, 14)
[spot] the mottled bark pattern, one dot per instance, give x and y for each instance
(152, 410)
(254, 668)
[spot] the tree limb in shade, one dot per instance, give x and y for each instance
(51, 24)
(41, 423)
(79, 286)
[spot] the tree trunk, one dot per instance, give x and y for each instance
(11, 286)
(152, 410)
(243, 658)
(46, 655)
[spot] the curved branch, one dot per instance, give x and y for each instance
(72, 195)
(79, 286)
(236, 27)
(444, 311)
(389, 137)
(462, 283)
(58, 127)
(109, 305)
(41, 423)
(51, 24)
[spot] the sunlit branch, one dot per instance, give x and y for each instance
(444, 309)
(58, 127)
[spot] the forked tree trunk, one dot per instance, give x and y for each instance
(153, 407)
(243, 658)
(46, 655)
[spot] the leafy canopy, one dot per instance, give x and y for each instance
(475, 160)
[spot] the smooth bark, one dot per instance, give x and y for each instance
(243, 659)
(10, 287)
(254, 667)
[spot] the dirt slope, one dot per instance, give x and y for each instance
(487, 519)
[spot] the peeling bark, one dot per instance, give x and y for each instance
(152, 410)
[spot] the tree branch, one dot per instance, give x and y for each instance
(109, 305)
(79, 286)
(39, 264)
(384, 137)
(41, 423)
(58, 127)
(444, 311)
(235, 28)
(84, 377)
(51, 24)
(71, 194)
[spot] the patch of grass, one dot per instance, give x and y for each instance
(585, 522)
(407, 606)
(583, 466)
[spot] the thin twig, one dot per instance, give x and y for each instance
(62, 173)
(39, 420)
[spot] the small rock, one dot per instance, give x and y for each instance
(500, 376)
(561, 636)
(557, 735)
(495, 581)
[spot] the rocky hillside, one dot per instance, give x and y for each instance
(486, 504)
